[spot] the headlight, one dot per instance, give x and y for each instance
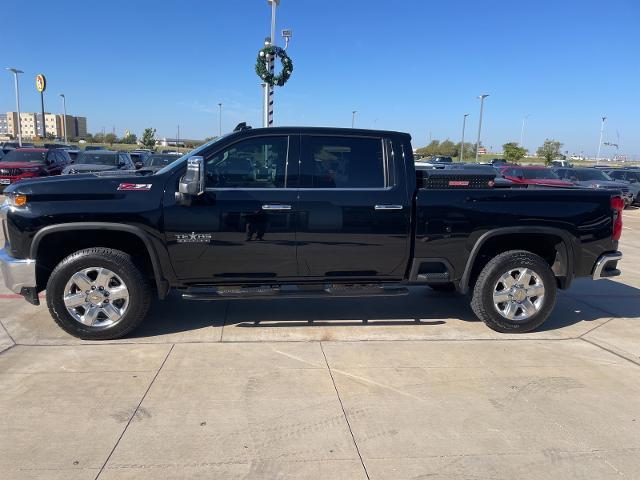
(15, 200)
(30, 169)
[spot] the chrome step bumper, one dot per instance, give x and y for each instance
(606, 266)
(18, 274)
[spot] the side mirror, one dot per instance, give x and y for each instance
(192, 183)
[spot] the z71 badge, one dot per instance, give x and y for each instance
(143, 187)
(193, 237)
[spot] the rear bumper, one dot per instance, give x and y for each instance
(607, 266)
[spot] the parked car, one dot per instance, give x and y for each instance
(631, 176)
(138, 157)
(56, 145)
(594, 178)
(561, 163)
(23, 163)
(233, 220)
(8, 146)
(100, 161)
(532, 175)
(158, 160)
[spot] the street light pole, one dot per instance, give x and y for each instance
(269, 90)
(600, 142)
(353, 118)
(220, 119)
(522, 130)
(464, 123)
(16, 72)
(64, 116)
(481, 97)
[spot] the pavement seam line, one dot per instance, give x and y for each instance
(344, 412)
(8, 334)
(135, 412)
(637, 364)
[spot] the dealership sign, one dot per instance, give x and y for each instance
(41, 83)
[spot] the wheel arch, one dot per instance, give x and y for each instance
(495, 241)
(45, 234)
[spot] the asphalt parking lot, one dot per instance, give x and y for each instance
(419, 390)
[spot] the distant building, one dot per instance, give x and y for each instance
(31, 125)
(169, 142)
(4, 127)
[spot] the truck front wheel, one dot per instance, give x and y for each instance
(98, 294)
(515, 292)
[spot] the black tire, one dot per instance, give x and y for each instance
(443, 287)
(482, 302)
(118, 262)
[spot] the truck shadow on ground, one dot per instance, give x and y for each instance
(422, 307)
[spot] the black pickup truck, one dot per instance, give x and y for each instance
(299, 212)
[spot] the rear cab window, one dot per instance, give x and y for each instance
(341, 162)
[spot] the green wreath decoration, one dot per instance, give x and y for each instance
(263, 72)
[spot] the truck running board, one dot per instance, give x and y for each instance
(293, 291)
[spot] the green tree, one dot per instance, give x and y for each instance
(110, 138)
(149, 137)
(447, 148)
(98, 138)
(550, 150)
(513, 152)
(51, 136)
(130, 139)
(89, 138)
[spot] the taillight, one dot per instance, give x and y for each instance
(617, 205)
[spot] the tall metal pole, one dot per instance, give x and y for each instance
(220, 119)
(522, 129)
(353, 118)
(15, 72)
(44, 128)
(600, 142)
(481, 97)
(464, 123)
(269, 90)
(64, 116)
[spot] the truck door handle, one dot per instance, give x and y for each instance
(276, 207)
(388, 207)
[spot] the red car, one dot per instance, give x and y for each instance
(533, 176)
(31, 162)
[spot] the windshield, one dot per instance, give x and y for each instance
(540, 174)
(587, 175)
(19, 156)
(193, 152)
(97, 159)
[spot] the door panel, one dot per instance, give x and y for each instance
(341, 233)
(243, 227)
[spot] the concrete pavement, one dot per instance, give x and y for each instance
(422, 390)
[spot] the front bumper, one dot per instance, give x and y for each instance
(19, 274)
(607, 266)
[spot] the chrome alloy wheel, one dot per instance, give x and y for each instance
(518, 294)
(96, 297)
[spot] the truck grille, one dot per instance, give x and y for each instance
(10, 172)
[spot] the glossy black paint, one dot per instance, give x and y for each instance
(226, 237)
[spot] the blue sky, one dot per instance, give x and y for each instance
(409, 65)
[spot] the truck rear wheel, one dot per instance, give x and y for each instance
(98, 294)
(515, 292)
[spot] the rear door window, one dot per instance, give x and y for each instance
(343, 162)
